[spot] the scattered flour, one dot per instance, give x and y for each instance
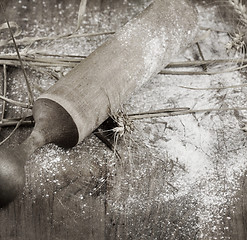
(199, 158)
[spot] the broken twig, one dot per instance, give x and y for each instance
(30, 94)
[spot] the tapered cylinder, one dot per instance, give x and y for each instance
(133, 55)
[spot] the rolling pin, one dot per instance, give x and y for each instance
(79, 102)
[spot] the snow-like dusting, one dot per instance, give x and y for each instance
(187, 168)
(209, 145)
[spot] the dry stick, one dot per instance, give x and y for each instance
(60, 63)
(37, 64)
(168, 72)
(240, 9)
(69, 56)
(51, 74)
(40, 61)
(204, 62)
(204, 67)
(46, 59)
(81, 13)
(4, 90)
(30, 94)
(143, 115)
(166, 114)
(31, 40)
(71, 60)
(13, 122)
(165, 110)
(215, 88)
(20, 104)
(55, 58)
(9, 136)
(213, 29)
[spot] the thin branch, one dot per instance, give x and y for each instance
(9, 136)
(216, 88)
(169, 114)
(31, 40)
(69, 56)
(204, 67)
(166, 110)
(30, 94)
(198, 63)
(213, 29)
(13, 122)
(168, 72)
(81, 13)
(4, 90)
(20, 104)
(54, 60)
(41, 61)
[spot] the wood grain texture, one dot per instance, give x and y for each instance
(127, 60)
(79, 207)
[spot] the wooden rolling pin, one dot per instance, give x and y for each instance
(78, 103)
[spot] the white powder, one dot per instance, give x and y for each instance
(189, 164)
(209, 146)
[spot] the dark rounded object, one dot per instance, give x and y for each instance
(12, 176)
(54, 123)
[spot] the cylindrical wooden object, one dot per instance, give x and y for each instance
(133, 55)
(77, 104)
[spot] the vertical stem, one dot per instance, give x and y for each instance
(4, 90)
(204, 66)
(16, 127)
(30, 94)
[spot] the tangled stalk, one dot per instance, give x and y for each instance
(240, 9)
